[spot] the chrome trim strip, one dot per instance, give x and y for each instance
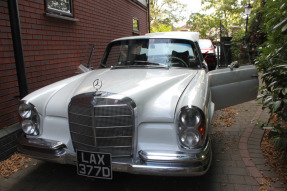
(118, 105)
(80, 114)
(114, 137)
(81, 134)
(111, 127)
(81, 124)
(84, 144)
(178, 157)
(112, 116)
(103, 147)
(41, 143)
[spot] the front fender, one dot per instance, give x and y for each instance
(41, 97)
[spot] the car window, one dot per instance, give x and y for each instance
(159, 52)
(205, 44)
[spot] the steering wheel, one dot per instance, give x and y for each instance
(179, 59)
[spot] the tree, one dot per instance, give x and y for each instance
(164, 14)
(160, 27)
(206, 25)
(227, 12)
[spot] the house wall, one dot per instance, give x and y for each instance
(53, 47)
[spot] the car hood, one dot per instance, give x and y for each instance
(155, 92)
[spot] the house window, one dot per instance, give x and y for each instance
(61, 7)
(135, 25)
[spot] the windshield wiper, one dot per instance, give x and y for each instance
(142, 64)
(150, 64)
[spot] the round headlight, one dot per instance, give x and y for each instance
(190, 118)
(29, 127)
(25, 110)
(190, 138)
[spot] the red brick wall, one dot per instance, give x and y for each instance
(53, 48)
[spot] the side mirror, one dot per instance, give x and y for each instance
(233, 65)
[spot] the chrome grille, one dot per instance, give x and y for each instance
(102, 124)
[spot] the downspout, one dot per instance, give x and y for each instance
(148, 16)
(17, 45)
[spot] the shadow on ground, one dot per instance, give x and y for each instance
(50, 176)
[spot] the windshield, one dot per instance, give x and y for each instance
(151, 53)
(205, 44)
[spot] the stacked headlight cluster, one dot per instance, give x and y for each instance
(191, 127)
(30, 119)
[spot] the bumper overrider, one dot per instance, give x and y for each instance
(148, 162)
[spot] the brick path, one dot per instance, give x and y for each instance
(237, 164)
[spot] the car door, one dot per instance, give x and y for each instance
(231, 87)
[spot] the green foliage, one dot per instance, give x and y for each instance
(272, 62)
(164, 14)
(160, 27)
(237, 44)
(227, 12)
(204, 24)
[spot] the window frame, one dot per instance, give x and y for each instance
(136, 31)
(59, 12)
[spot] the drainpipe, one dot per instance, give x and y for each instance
(17, 45)
(148, 16)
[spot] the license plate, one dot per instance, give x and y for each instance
(94, 164)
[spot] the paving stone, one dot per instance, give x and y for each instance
(258, 161)
(219, 178)
(256, 155)
(240, 164)
(242, 187)
(248, 162)
(236, 179)
(215, 170)
(250, 181)
(224, 163)
(222, 157)
(234, 171)
(251, 146)
(255, 151)
(211, 186)
(254, 172)
(236, 157)
(227, 187)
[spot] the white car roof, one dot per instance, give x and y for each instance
(194, 36)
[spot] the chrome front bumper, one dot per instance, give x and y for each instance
(147, 162)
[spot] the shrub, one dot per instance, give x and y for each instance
(272, 62)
